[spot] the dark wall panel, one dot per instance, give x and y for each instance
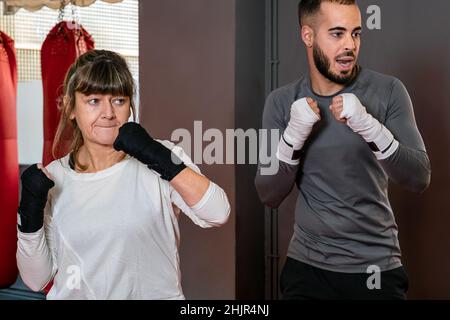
(250, 76)
(187, 59)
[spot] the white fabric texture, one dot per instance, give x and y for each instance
(299, 128)
(368, 127)
(113, 234)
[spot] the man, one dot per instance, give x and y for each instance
(346, 131)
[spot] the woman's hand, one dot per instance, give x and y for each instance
(45, 171)
(36, 183)
(134, 140)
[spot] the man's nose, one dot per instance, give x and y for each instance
(350, 43)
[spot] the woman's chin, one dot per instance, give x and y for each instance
(106, 141)
(105, 137)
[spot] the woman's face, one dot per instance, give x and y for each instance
(99, 116)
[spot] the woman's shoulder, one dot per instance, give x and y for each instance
(57, 167)
(58, 164)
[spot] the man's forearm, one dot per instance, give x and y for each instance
(409, 168)
(273, 189)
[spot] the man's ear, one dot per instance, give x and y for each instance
(307, 34)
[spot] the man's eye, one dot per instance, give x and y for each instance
(357, 34)
(337, 34)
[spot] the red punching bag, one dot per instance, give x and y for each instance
(63, 45)
(9, 163)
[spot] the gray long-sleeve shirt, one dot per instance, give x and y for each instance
(343, 218)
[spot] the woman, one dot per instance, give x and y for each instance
(102, 221)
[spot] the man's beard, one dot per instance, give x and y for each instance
(323, 65)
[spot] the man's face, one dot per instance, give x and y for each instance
(337, 41)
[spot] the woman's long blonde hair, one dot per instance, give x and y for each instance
(95, 72)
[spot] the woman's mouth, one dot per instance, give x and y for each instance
(106, 126)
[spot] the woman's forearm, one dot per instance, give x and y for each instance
(34, 259)
(190, 185)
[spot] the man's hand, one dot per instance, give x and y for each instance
(314, 106)
(337, 106)
(347, 108)
(305, 113)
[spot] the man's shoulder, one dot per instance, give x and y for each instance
(289, 92)
(290, 89)
(375, 78)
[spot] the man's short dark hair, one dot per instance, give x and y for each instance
(311, 7)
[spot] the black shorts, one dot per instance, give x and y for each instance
(301, 281)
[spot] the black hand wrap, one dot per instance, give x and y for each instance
(134, 140)
(35, 187)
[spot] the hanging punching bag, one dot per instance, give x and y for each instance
(9, 164)
(63, 45)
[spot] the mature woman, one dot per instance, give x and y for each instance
(102, 221)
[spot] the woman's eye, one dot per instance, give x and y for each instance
(119, 101)
(93, 102)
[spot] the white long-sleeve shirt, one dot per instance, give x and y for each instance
(113, 234)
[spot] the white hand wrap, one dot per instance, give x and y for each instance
(299, 128)
(379, 138)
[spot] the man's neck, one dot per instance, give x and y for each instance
(323, 86)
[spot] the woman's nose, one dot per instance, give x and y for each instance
(108, 110)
